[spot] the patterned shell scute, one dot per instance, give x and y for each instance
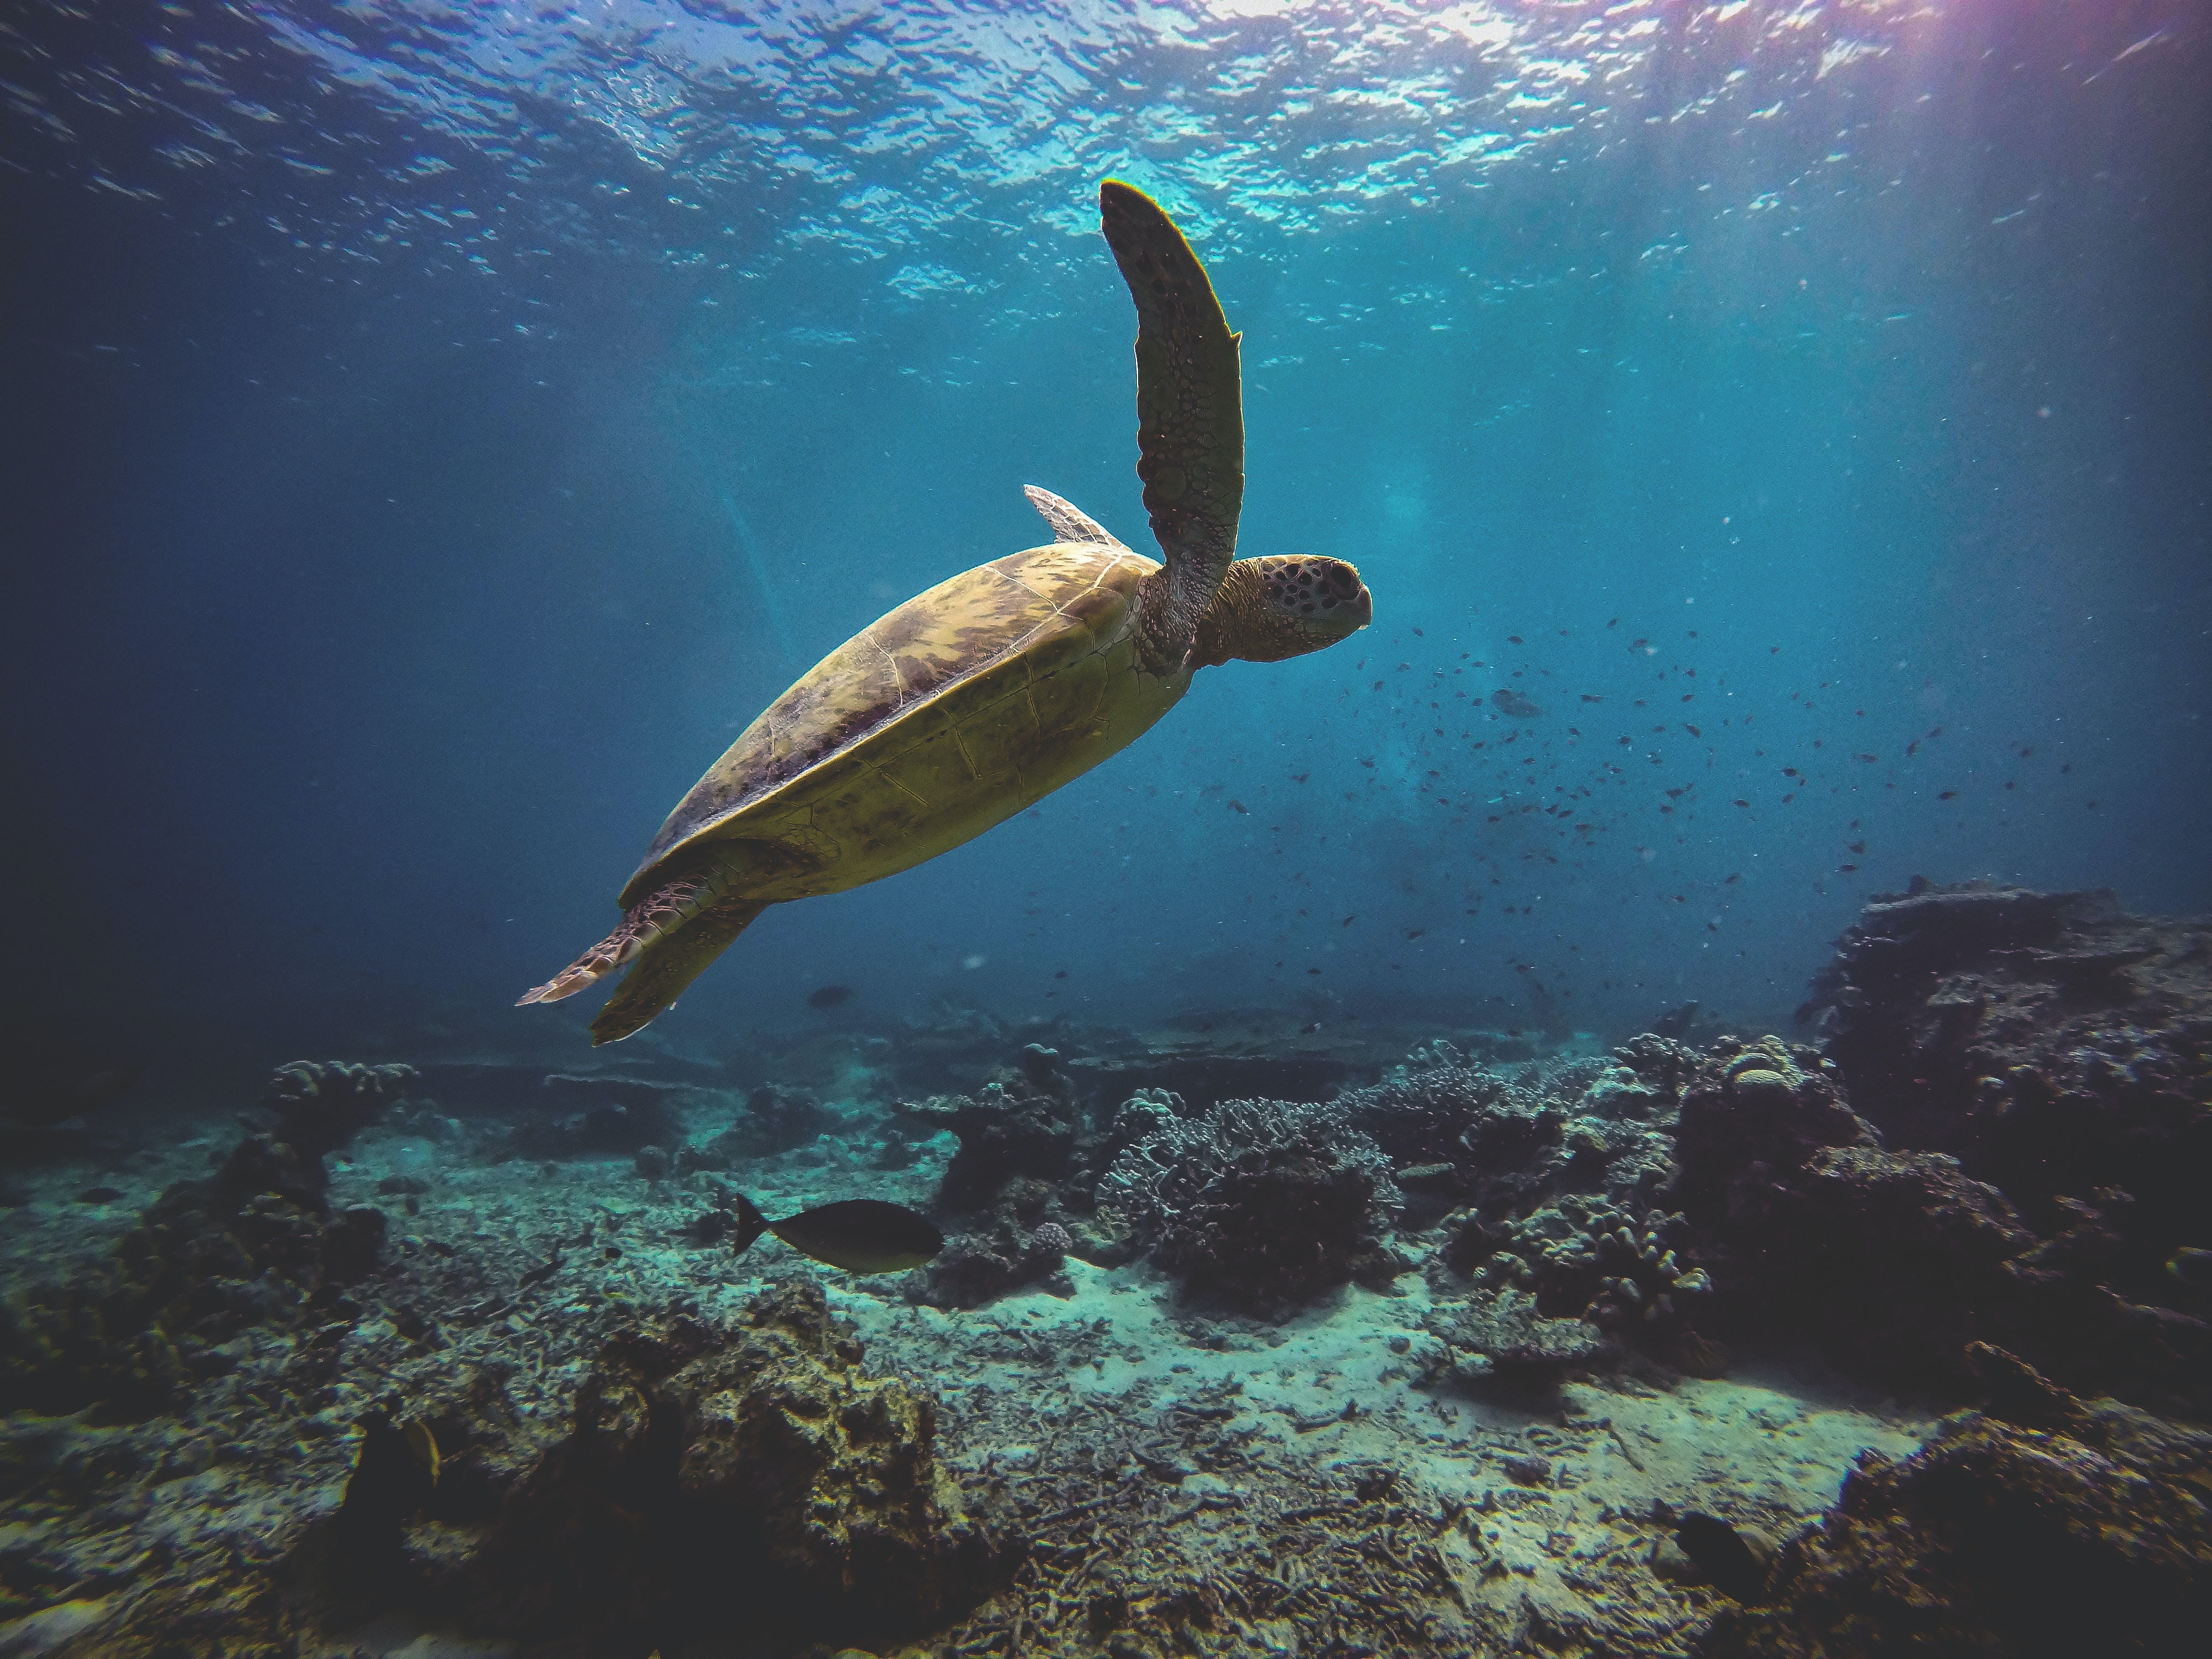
(994, 614)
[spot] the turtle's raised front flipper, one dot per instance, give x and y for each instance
(1069, 522)
(1190, 415)
(664, 933)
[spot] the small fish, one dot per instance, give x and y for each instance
(1948, 794)
(1308, 1031)
(2191, 1267)
(1239, 806)
(1511, 704)
(1722, 1555)
(828, 996)
(860, 1235)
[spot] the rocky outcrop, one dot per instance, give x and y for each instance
(1891, 1261)
(2081, 1530)
(2060, 1051)
(2059, 1048)
(756, 1466)
(255, 1243)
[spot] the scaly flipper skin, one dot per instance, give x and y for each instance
(665, 968)
(1069, 522)
(1190, 417)
(671, 906)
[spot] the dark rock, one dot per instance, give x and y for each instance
(1007, 1130)
(352, 1245)
(1730, 1561)
(756, 1466)
(1890, 1262)
(966, 1273)
(1514, 1347)
(1996, 1539)
(777, 1120)
(2060, 1051)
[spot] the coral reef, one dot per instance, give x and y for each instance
(254, 1243)
(319, 1105)
(756, 1466)
(776, 1119)
(2060, 1050)
(1020, 1125)
(1555, 1234)
(2079, 1531)
(1259, 1203)
(1891, 1260)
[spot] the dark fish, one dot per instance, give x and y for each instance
(828, 996)
(1732, 1565)
(1511, 704)
(861, 1234)
(395, 1473)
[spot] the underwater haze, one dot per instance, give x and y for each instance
(1775, 436)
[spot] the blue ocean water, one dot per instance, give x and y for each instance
(434, 430)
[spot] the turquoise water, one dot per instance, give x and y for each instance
(436, 430)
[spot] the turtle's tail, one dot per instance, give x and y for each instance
(698, 911)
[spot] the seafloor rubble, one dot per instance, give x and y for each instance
(1482, 1345)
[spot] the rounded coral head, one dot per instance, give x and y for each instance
(1052, 1239)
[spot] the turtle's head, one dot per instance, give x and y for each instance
(1283, 605)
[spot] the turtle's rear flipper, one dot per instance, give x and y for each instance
(671, 933)
(670, 963)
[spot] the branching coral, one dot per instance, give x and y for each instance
(1262, 1203)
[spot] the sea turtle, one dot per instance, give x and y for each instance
(981, 696)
